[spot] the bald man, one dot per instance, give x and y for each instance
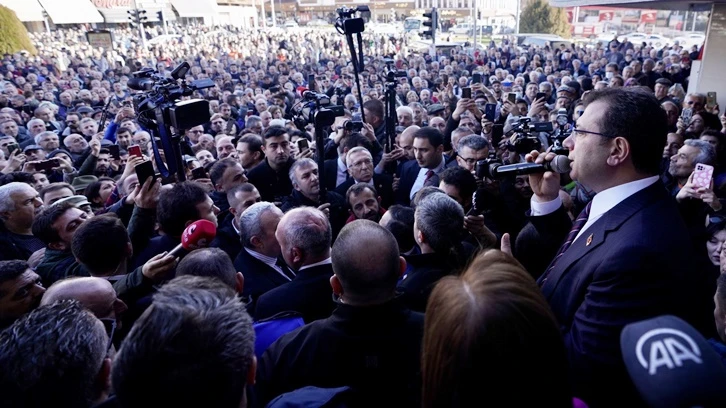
(405, 141)
(304, 235)
(371, 342)
(95, 294)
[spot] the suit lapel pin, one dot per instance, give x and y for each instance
(589, 240)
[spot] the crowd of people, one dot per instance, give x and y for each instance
(419, 278)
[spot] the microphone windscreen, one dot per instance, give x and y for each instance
(198, 234)
(561, 164)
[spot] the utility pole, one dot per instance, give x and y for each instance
(45, 22)
(262, 11)
(272, 10)
(519, 12)
(476, 21)
(162, 20)
(138, 17)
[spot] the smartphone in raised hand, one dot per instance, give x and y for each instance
(135, 151)
(466, 93)
(12, 147)
(490, 110)
(199, 173)
(702, 175)
(144, 171)
(302, 144)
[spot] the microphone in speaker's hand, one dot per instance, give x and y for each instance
(198, 234)
(560, 164)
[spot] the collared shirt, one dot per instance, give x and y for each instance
(267, 260)
(342, 173)
(603, 202)
(370, 182)
(234, 225)
(421, 179)
(323, 262)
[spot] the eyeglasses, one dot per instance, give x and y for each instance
(110, 326)
(364, 162)
(470, 162)
(576, 130)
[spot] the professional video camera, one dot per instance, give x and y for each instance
(159, 108)
(311, 106)
(355, 124)
(346, 23)
(483, 167)
(525, 135)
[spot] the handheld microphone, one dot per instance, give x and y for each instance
(198, 234)
(560, 164)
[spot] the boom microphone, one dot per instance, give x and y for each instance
(560, 164)
(198, 234)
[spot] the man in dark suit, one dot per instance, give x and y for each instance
(360, 167)
(259, 259)
(304, 235)
(371, 343)
(428, 148)
(336, 171)
(239, 198)
(627, 257)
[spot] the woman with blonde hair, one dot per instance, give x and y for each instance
(490, 339)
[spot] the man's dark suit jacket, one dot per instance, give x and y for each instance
(407, 173)
(634, 263)
(376, 350)
(259, 277)
(330, 174)
(227, 238)
(309, 294)
(383, 184)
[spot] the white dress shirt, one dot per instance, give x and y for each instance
(323, 262)
(341, 174)
(603, 202)
(267, 260)
(421, 178)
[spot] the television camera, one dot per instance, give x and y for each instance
(161, 111)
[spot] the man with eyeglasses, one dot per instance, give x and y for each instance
(359, 163)
(627, 257)
(194, 133)
(72, 120)
(471, 149)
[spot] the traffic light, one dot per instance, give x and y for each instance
(433, 22)
(133, 17)
(160, 16)
(142, 16)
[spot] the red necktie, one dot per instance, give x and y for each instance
(429, 175)
(576, 227)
